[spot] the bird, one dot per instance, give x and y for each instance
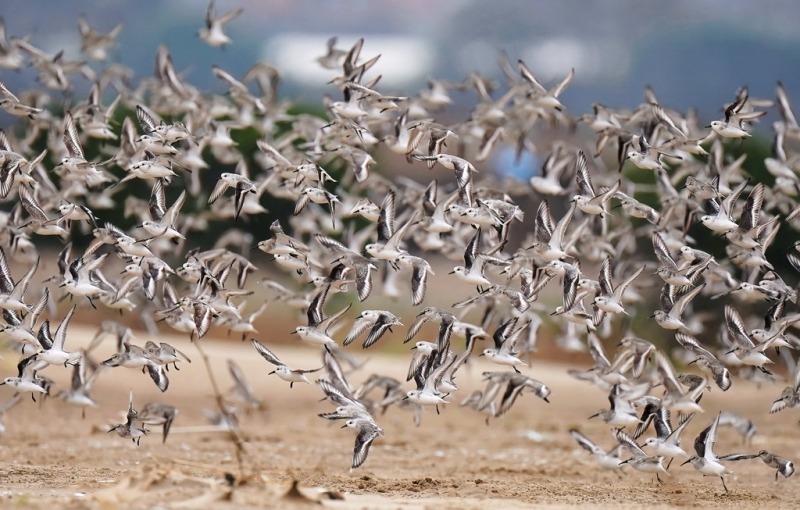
(154, 413)
(706, 461)
(52, 348)
(606, 459)
(782, 465)
(640, 460)
(288, 374)
(132, 428)
(213, 33)
(318, 329)
(368, 431)
(587, 200)
(610, 299)
(376, 321)
(505, 340)
(672, 319)
(27, 379)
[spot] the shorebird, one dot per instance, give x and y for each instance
(376, 321)
(706, 360)
(667, 442)
(735, 118)
(52, 351)
(288, 374)
(606, 459)
(640, 461)
(708, 463)
(27, 379)
(11, 294)
(610, 299)
(621, 413)
(84, 375)
(782, 465)
(155, 413)
(368, 431)
(317, 331)
(473, 269)
(133, 427)
(505, 340)
(672, 319)
(587, 200)
(420, 269)
(213, 33)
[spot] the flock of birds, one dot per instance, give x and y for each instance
(369, 233)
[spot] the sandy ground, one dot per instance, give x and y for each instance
(51, 457)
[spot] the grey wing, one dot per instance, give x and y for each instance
(582, 177)
(159, 376)
(629, 444)
(356, 330)
(266, 353)
(145, 120)
(584, 442)
(157, 202)
(419, 283)
(219, 189)
(662, 252)
(171, 214)
(364, 439)
(419, 359)
(375, 334)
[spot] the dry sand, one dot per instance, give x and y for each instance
(51, 458)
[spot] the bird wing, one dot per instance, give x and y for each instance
(266, 353)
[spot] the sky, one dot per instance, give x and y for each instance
(695, 54)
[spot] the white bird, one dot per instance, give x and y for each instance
(706, 461)
(52, 351)
(284, 371)
(213, 33)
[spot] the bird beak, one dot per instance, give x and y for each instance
(413, 347)
(452, 272)
(344, 426)
(271, 373)
(651, 316)
(546, 400)
(688, 461)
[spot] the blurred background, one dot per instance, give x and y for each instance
(694, 53)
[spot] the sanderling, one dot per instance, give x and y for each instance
(640, 460)
(708, 463)
(154, 413)
(783, 465)
(288, 374)
(213, 33)
(133, 426)
(606, 459)
(368, 430)
(377, 321)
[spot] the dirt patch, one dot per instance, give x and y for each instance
(53, 458)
